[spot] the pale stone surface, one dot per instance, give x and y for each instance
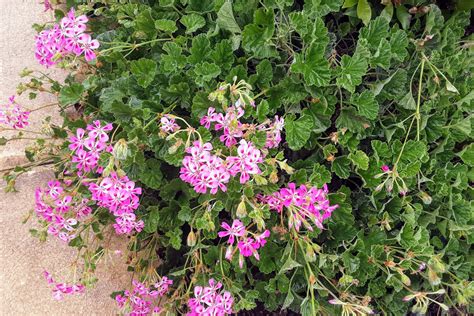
(17, 43)
(23, 290)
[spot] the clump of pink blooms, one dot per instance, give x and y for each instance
(141, 300)
(302, 203)
(248, 243)
(210, 300)
(204, 170)
(66, 38)
(62, 209)
(120, 196)
(57, 207)
(12, 115)
(62, 289)
(233, 129)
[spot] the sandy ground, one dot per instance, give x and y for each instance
(23, 290)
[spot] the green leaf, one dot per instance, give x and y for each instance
(226, 20)
(168, 26)
(257, 37)
(320, 175)
(353, 68)
(289, 265)
(349, 3)
(200, 49)
(398, 45)
(364, 12)
(151, 222)
(262, 110)
(467, 155)
(144, 71)
(151, 175)
(348, 118)
(313, 65)
(288, 300)
(145, 23)
(298, 131)
(366, 104)
(408, 102)
(374, 32)
(207, 71)
(192, 22)
(341, 167)
(71, 94)
(403, 16)
(359, 159)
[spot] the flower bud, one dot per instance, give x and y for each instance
(191, 240)
(437, 265)
(433, 277)
(273, 177)
(425, 197)
(121, 150)
(241, 209)
(405, 279)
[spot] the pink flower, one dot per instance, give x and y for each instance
(47, 5)
(246, 163)
(385, 168)
(210, 300)
(236, 230)
(97, 131)
(88, 45)
(302, 205)
(141, 300)
(61, 289)
(12, 115)
(65, 38)
(78, 141)
(168, 124)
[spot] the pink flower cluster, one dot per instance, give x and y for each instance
(120, 196)
(248, 243)
(56, 206)
(65, 38)
(303, 204)
(62, 289)
(141, 300)
(12, 115)
(210, 300)
(232, 128)
(203, 170)
(88, 147)
(168, 124)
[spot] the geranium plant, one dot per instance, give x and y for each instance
(303, 156)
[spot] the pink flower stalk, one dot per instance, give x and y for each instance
(210, 300)
(65, 38)
(12, 115)
(274, 132)
(168, 124)
(302, 204)
(62, 289)
(142, 299)
(385, 168)
(247, 242)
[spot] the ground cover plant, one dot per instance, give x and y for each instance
(309, 157)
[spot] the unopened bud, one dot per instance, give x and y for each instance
(437, 265)
(273, 177)
(425, 197)
(433, 277)
(405, 279)
(191, 240)
(121, 151)
(241, 209)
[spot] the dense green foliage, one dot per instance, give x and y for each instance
(360, 85)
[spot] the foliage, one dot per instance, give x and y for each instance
(360, 84)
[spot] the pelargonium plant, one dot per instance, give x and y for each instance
(308, 157)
